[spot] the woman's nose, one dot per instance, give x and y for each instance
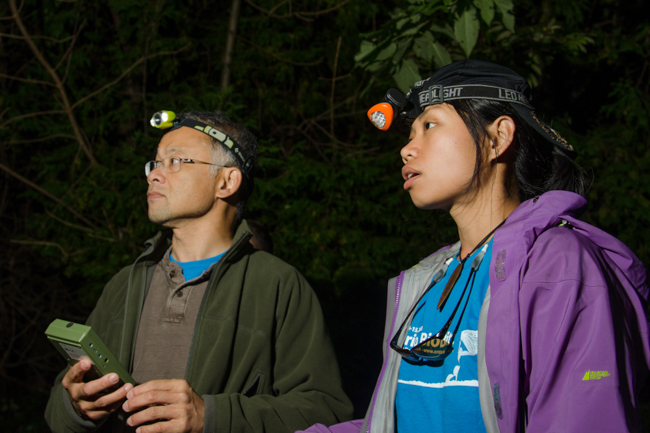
(409, 151)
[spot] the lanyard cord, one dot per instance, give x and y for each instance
(456, 274)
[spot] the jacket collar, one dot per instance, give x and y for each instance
(534, 216)
(531, 218)
(156, 246)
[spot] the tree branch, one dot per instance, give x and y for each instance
(47, 194)
(68, 52)
(324, 11)
(69, 224)
(230, 43)
(278, 57)
(339, 78)
(276, 7)
(124, 74)
(36, 113)
(269, 13)
(38, 140)
(336, 63)
(331, 136)
(49, 38)
(27, 80)
(49, 244)
(302, 15)
(11, 17)
(59, 84)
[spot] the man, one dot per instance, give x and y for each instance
(218, 336)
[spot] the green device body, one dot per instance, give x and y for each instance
(75, 342)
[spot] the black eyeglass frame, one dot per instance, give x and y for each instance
(181, 161)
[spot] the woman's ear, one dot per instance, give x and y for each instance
(502, 131)
(228, 183)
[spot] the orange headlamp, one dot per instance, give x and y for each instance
(384, 113)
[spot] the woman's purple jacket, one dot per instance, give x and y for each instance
(563, 333)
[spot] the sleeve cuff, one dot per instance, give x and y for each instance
(72, 413)
(209, 415)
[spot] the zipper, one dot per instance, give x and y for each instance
(442, 266)
(398, 293)
(150, 248)
(216, 276)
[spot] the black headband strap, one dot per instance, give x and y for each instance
(439, 94)
(221, 137)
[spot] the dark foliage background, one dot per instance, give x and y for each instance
(80, 79)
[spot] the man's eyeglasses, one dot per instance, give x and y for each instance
(173, 165)
(439, 346)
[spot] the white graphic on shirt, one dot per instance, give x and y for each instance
(468, 347)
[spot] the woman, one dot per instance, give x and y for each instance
(534, 320)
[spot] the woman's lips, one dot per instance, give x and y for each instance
(409, 176)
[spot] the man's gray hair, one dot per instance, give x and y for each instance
(222, 155)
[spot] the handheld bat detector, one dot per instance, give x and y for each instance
(75, 342)
(384, 113)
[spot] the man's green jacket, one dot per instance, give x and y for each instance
(260, 358)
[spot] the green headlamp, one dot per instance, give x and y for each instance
(163, 119)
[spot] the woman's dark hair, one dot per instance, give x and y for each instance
(539, 166)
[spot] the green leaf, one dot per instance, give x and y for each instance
(364, 50)
(441, 56)
(401, 49)
(413, 30)
(369, 85)
(444, 30)
(375, 66)
(487, 10)
(423, 46)
(506, 7)
(509, 21)
(387, 52)
(407, 75)
(401, 23)
(466, 30)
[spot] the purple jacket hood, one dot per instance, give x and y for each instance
(521, 304)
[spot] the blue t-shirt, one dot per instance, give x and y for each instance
(194, 269)
(442, 396)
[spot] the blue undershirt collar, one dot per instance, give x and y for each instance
(194, 269)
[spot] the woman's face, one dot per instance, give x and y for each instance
(439, 159)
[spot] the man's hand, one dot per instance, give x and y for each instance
(173, 402)
(89, 399)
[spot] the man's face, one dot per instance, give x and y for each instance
(188, 194)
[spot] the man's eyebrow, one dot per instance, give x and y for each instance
(157, 155)
(171, 150)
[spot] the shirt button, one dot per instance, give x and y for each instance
(172, 273)
(179, 293)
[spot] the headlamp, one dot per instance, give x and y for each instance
(397, 108)
(384, 113)
(467, 79)
(163, 119)
(167, 119)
